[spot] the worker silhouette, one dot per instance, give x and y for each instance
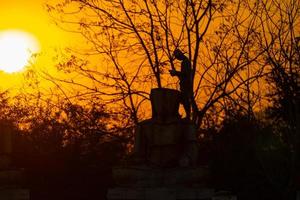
(185, 81)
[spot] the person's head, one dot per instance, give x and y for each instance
(178, 54)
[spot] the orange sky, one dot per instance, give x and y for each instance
(30, 16)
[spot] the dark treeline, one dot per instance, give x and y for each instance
(68, 151)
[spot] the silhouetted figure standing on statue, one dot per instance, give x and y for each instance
(185, 81)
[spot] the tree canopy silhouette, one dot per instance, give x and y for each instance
(135, 40)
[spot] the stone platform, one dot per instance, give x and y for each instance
(156, 177)
(146, 183)
(166, 193)
(160, 193)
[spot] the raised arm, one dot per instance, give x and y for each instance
(176, 73)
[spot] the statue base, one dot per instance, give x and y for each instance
(150, 183)
(168, 193)
(163, 165)
(145, 176)
(160, 193)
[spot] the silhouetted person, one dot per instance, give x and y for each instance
(185, 81)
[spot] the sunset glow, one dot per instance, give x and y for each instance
(149, 99)
(16, 49)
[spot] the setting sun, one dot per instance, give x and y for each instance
(16, 48)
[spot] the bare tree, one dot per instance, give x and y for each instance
(135, 41)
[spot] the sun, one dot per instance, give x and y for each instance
(16, 49)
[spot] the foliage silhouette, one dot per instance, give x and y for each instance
(135, 40)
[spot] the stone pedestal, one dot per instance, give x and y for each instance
(147, 183)
(167, 193)
(143, 176)
(163, 165)
(160, 193)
